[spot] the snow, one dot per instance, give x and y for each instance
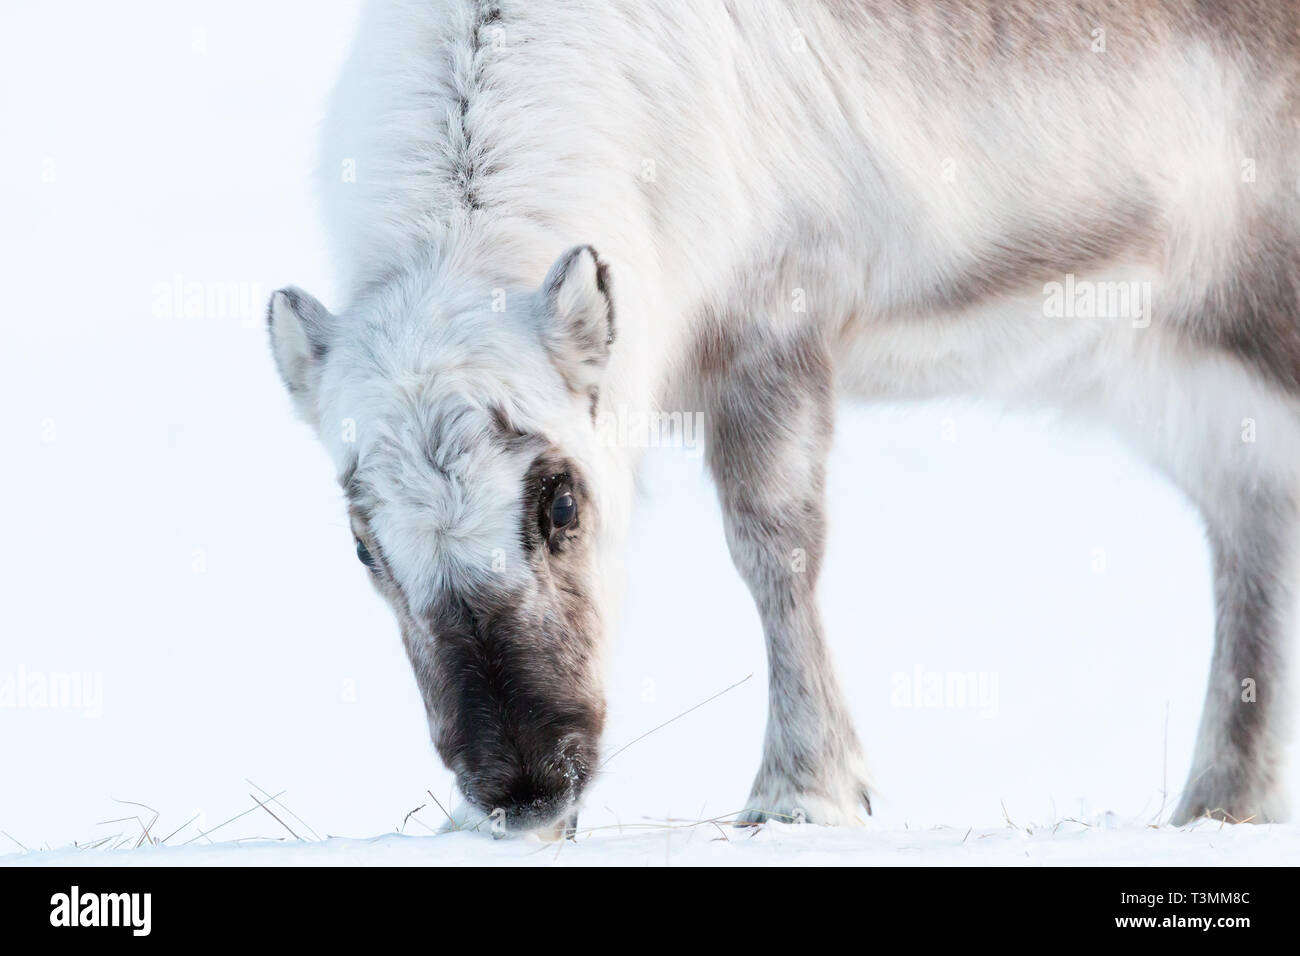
(175, 534)
(1065, 844)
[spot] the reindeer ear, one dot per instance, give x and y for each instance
(578, 320)
(301, 333)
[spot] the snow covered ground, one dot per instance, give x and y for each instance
(1065, 844)
(180, 576)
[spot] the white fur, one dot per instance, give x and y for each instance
(728, 160)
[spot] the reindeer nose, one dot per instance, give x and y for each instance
(530, 801)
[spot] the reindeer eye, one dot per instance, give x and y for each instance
(563, 509)
(364, 555)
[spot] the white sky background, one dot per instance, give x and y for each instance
(180, 140)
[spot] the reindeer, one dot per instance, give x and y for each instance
(793, 201)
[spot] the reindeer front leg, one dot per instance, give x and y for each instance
(770, 409)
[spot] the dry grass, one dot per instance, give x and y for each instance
(145, 826)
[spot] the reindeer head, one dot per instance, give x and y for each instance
(464, 438)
